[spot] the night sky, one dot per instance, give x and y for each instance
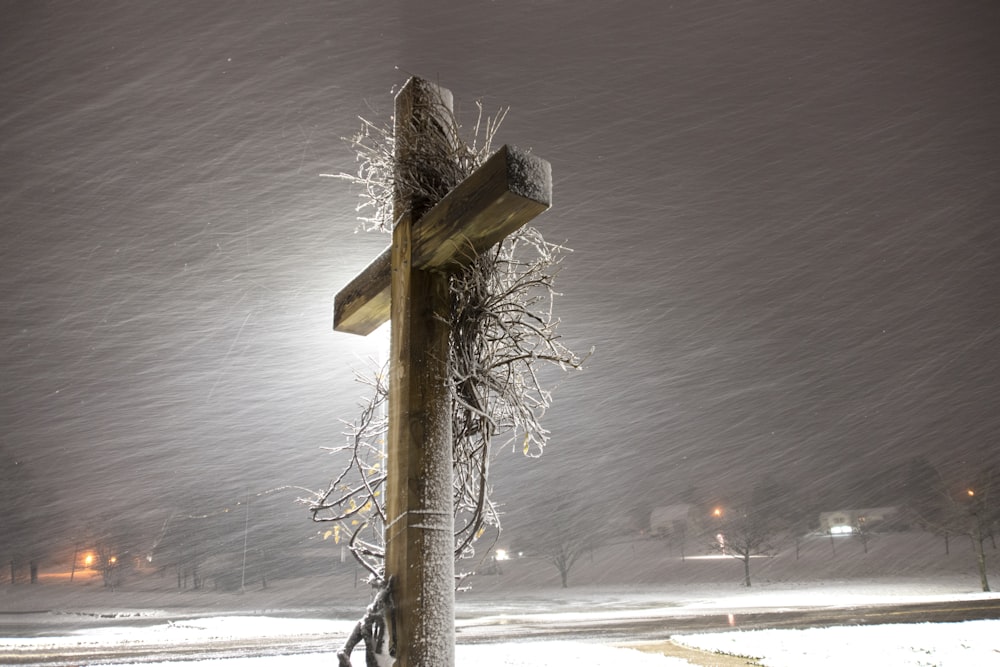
(784, 218)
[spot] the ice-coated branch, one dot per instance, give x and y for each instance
(502, 328)
(353, 500)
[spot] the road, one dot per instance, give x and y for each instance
(620, 628)
(655, 629)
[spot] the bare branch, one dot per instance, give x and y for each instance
(502, 327)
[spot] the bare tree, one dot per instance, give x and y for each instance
(976, 510)
(25, 520)
(862, 530)
(927, 499)
(111, 565)
(14, 488)
(563, 551)
(744, 531)
(115, 547)
(963, 503)
(561, 534)
(184, 544)
(801, 522)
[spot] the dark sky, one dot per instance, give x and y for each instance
(784, 217)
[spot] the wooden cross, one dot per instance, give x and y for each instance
(408, 285)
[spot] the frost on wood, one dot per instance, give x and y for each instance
(501, 327)
(530, 177)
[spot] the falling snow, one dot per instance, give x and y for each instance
(783, 218)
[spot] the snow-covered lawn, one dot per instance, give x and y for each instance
(968, 644)
(965, 644)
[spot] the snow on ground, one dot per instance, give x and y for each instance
(188, 631)
(530, 654)
(248, 628)
(965, 644)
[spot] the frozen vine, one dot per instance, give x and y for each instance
(503, 328)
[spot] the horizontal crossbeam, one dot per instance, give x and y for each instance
(511, 188)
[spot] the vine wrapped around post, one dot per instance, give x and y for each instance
(499, 327)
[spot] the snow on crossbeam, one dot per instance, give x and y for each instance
(511, 188)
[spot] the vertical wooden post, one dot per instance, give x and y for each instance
(419, 534)
(408, 284)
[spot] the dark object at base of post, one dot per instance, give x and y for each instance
(372, 630)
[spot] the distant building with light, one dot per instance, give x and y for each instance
(670, 520)
(851, 521)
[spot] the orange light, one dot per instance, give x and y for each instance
(970, 492)
(88, 560)
(717, 511)
(113, 560)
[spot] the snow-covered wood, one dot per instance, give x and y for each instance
(430, 239)
(507, 191)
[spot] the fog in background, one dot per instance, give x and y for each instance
(784, 219)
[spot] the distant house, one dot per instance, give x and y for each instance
(670, 520)
(848, 522)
